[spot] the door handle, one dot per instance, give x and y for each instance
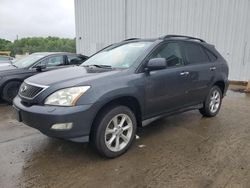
(185, 73)
(212, 68)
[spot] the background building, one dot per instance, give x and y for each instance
(225, 23)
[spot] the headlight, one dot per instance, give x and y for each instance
(66, 97)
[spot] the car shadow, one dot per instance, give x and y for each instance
(2, 103)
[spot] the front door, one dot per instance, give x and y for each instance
(166, 89)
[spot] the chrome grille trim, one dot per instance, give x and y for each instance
(34, 91)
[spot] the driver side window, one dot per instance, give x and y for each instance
(171, 52)
(53, 61)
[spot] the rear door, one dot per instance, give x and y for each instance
(201, 66)
(166, 89)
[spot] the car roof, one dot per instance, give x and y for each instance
(170, 38)
(51, 53)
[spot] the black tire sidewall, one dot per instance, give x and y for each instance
(6, 89)
(101, 127)
(207, 102)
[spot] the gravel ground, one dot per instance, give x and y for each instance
(185, 150)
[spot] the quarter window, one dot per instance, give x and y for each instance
(211, 56)
(195, 54)
(171, 52)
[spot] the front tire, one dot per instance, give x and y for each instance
(212, 103)
(10, 91)
(114, 131)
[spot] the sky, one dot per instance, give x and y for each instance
(40, 18)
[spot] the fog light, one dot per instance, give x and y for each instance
(62, 126)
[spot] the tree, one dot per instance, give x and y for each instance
(38, 44)
(5, 45)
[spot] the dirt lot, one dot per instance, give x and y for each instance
(184, 150)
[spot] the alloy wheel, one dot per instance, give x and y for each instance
(118, 133)
(214, 101)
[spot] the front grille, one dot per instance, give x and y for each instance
(30, 91)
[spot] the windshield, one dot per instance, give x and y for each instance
(27, 61)
(122, 56)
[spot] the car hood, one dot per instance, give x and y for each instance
(10, 70)
(70, 76)
(4, 64)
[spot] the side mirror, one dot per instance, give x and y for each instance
(156, 64)
(39, 68)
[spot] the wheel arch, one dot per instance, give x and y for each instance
(129, 101)
(222, 85)
(8, 81)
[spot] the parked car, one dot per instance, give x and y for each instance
(5, 60)
(12, 75)
(106, 98)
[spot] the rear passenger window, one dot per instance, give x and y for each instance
(211, 56)
(195, 54)
(74, 60)
(171, 52)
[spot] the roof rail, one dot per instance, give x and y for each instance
(131, 39)
(181, 36)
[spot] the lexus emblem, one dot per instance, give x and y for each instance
(24, 88)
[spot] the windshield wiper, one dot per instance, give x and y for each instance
(99, 66)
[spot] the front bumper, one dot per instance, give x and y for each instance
(43, 117)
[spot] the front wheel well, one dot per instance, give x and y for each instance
(130, 102)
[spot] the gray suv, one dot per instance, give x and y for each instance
(105, 99)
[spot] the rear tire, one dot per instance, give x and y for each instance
(212, 103)
(114, 131)
(10, 90)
